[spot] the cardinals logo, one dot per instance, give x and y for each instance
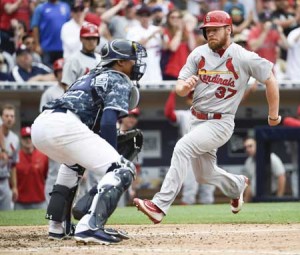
(201, 63)
(230, 68)
(217, 76)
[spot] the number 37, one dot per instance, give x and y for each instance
(224, 92)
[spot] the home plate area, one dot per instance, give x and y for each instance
(238, 239)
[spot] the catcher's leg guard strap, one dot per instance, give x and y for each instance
(110, 189)
(60, 203)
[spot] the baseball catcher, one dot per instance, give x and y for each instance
(79, 131)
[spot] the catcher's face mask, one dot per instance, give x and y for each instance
(121, 49)
(139, 68)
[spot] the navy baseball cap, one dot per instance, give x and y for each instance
(144, 11)
(22, 49)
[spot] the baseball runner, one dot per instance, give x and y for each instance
(190, 186)
(85, 60)
(78, 130)
(219, 72)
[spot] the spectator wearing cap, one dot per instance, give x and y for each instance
(46, 23)
(82, 61)
(229, 5)
(150, 37)
(29, 42)
(70, 31)
(27, 70)
(32, 171)
(158, 15)
(239, 22)
(265, 36)
(56, 90)
(118, 24)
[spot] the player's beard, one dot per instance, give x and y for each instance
(218, 44)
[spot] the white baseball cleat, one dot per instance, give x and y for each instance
(150, 209)
(236, 204)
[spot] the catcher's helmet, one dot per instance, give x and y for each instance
(89, 30)
(58, 64)
(216, 19)
(121, 49)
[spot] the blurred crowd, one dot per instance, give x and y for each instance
(35, 33)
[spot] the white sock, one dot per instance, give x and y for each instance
(56, 227)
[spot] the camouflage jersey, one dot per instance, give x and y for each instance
(95, 92)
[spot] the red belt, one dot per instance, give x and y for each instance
(206, 116)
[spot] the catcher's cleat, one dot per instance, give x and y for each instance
(150, 209)
(117, 233)
(63, 236)
(54, 236)
(236, 204)
(98, 236)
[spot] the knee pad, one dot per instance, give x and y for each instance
(110, 189)
(59, 208)
(123, 164)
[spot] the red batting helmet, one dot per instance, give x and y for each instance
(216, 19)
(89, 30)
(58, 64)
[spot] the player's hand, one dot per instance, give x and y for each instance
(274, 121)
(191, 82)
(15, 194)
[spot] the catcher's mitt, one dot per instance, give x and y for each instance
(130, 143)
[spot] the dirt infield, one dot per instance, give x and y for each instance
(164, 239)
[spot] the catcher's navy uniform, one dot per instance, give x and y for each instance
(68, 132)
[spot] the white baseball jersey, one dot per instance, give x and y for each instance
(50, 94)
(223, 80)
(78, 65)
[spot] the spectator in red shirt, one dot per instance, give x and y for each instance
(265, 36)
(31, 174)
(11, 11)
(179, 41)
